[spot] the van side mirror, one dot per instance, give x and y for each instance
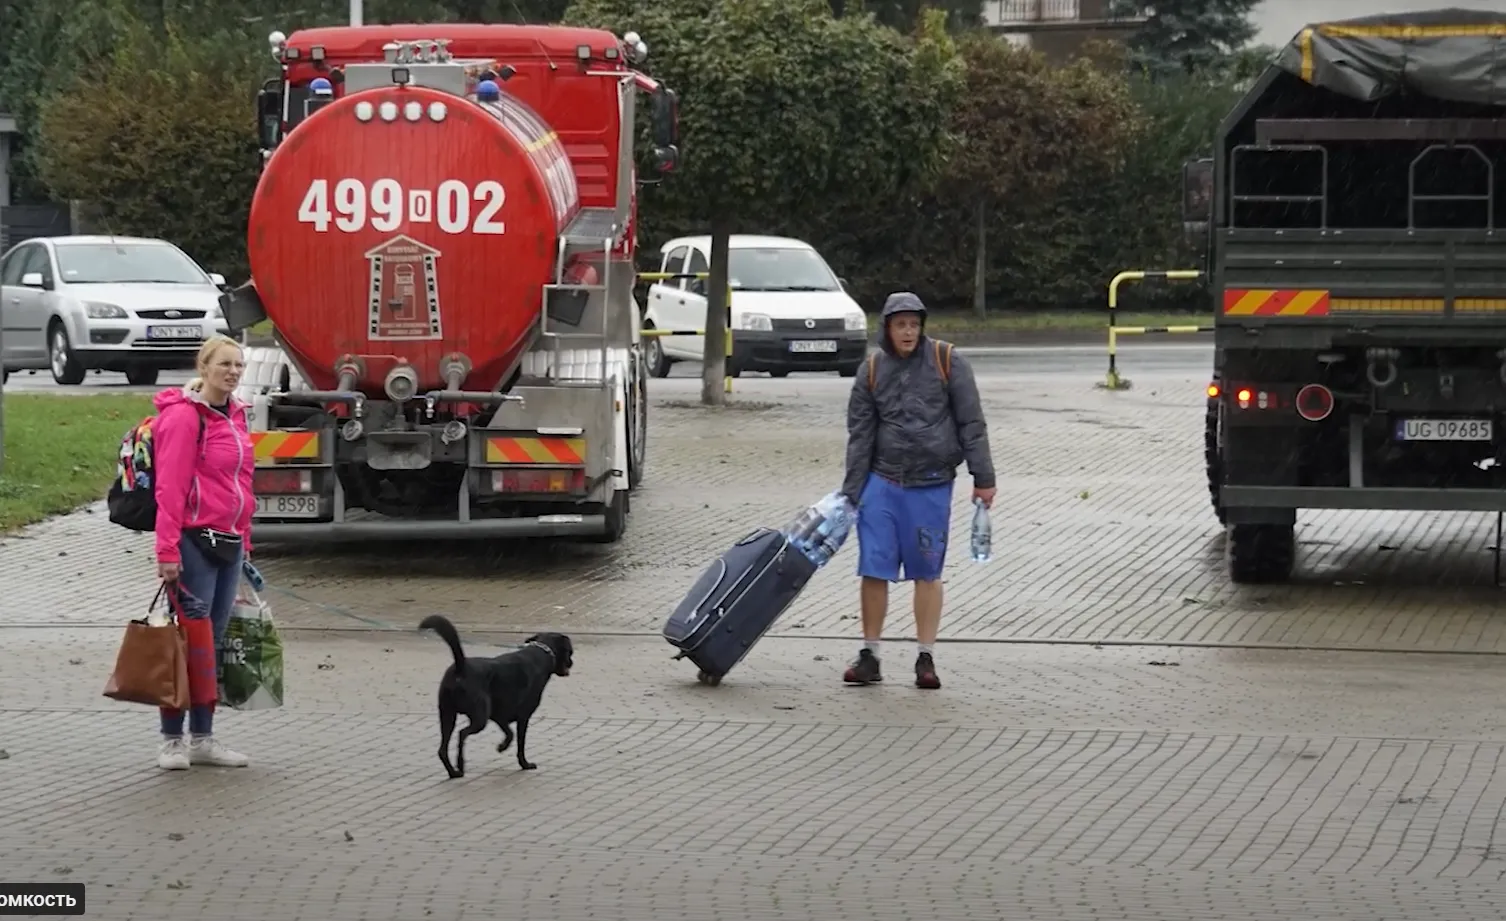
(666, 129)
(31, 280)
(268, 115)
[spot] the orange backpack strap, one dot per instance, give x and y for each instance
(872, 370)
(943, 365)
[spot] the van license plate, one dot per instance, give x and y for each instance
(175, 332)
(287, 506)
(1444, 430)
(813, 345)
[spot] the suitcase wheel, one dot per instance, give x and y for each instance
(712, 680)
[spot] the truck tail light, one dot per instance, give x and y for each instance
(1314, 402)
(273, 481)
(1214, 391)
(557, 480)
(1244, 396)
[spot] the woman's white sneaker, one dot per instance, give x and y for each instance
(211, 751)
(173, 755)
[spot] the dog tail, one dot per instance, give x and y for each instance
(442, 626)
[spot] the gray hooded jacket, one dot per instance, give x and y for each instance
(915, 427)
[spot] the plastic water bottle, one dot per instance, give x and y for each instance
(822, 528)
(983, 533)
(253, 576)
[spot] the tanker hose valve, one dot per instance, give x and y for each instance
(352, 429)
(401, 383)
(454, 431)
(349, 372)
(454, 369)
(1380, 368)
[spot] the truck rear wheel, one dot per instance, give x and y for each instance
(1212, 461)
(638, 425)
(616, 513)
(1261, 553)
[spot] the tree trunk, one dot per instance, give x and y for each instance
(980, 265)
(714, 362)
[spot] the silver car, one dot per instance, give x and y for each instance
(100, 303)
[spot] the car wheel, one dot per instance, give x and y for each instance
(65, 365)
(138, 376)
(658, 364)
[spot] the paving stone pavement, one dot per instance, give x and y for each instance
(1102, 534)
(1066, 781)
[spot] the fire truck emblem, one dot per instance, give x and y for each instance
(404, 290)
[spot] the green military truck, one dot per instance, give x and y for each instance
(1355, 217)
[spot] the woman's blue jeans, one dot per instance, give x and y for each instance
(215, 584)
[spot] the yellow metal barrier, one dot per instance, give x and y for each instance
(1114, 381)
(676, 276)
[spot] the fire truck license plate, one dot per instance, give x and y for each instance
(1444, 430)
(174, 332)
(287, 506)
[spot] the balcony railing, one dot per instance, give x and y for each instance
(1055, 13)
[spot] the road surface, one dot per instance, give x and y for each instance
(1121, 733)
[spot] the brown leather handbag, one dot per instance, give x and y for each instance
(152, 664)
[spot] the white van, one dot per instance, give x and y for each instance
(790, 311)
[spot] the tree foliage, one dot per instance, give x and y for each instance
(1188, 36)
(159, 143)
(779, 100)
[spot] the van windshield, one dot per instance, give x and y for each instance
(778, 269)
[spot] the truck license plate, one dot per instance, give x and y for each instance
(1444, 430)
(813, 345)
(174, 332)
(287, 506)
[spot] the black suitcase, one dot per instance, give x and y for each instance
(735, 602)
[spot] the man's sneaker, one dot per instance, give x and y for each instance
(865, 670)
(173, 755)
(212, 751)
(925, 672)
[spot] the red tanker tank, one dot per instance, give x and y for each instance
(406, 224)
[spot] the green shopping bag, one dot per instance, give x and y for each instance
(251, 656)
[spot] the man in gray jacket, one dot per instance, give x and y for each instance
(913, 417)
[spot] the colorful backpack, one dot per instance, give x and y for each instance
(132, 497)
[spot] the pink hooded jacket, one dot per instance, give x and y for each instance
(200, 485)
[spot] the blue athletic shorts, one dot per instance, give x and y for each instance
(899, 525)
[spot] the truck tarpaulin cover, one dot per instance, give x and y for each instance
(1458, 55)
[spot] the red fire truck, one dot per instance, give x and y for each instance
(442, 238)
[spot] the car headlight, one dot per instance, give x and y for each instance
(857, 321)
(757, 321)
(97, 311)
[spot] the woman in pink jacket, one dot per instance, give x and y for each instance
(201, 447)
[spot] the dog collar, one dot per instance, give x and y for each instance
(541, 646)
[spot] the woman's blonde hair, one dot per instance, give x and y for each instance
(211, 347)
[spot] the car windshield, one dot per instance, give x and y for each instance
(776, 269)
(126, 263)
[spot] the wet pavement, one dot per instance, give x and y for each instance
(1121, 733)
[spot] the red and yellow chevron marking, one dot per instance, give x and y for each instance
(535, 450)
(285, 445)
(1275, 302)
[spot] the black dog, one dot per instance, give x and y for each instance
(505, 689)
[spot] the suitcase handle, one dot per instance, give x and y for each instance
(752, 536)
(720, 575)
